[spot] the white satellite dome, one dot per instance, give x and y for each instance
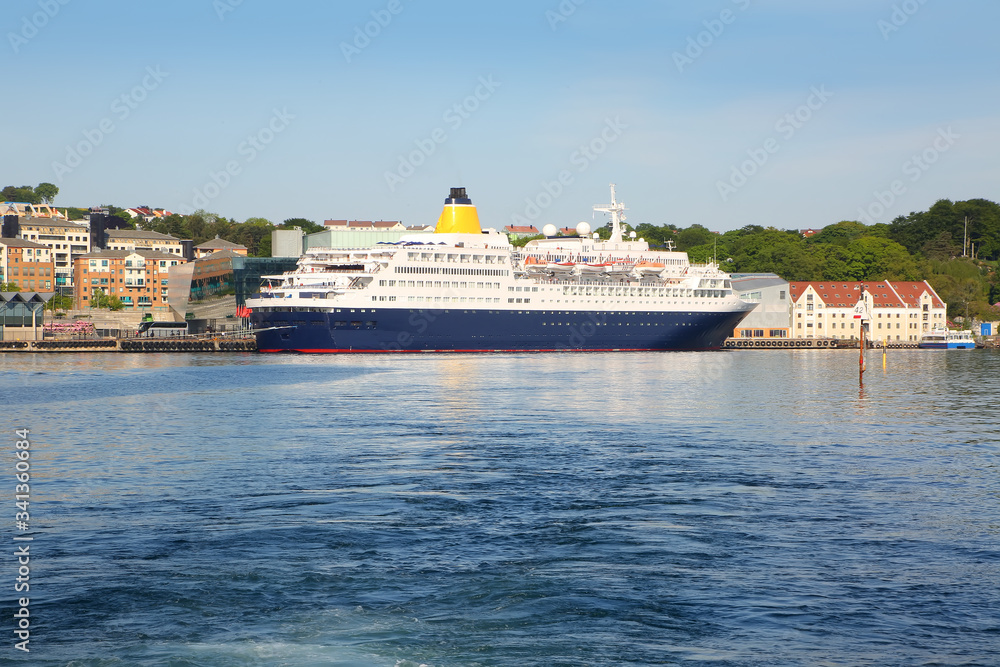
(583, 228)
(549, 230)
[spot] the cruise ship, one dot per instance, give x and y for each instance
(466, 289)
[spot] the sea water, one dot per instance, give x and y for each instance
(731, 508)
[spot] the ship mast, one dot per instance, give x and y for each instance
(617, 211)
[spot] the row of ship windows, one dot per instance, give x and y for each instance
(644, 292)
(457, 258)
(439, 284)
(912, 316)
(373, 324)
(341, 324)
(888, 325)
(466, 312)
(451, 272)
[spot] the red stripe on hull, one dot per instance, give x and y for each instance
(616, 349)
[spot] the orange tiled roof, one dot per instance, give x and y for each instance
(911, 292)
(885, 294)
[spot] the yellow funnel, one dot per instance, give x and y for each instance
(459, 215)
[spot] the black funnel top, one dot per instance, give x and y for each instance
(458, 196)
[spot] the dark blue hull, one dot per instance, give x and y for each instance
(414, 330)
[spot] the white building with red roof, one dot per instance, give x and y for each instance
(903, 310)
(521, 231)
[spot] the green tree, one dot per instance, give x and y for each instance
(942, 247)
(871, 258)
(47, 192)
(25, 194)
(251, 233)
(775, 251)
(9, 287)
(694, 235)
(521, 242)
(307, 226)
(100, 299)
(59, 302)
(839, 234)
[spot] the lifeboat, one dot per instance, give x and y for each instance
(561, 267)
(650, 268)
(591, 269)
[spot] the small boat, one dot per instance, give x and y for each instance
(583, 269)
(560, 266)
(946, 339)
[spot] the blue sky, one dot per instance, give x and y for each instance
(723, 113)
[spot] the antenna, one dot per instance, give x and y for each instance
(617, 210)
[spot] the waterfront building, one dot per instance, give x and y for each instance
(287, 242)
(137, 239)
(214, 245)
(770, 319)
(22, 315)
(902, 310)
(231, 277)
(66, 240)
(137, 277)
(27, 264)
(359, 234)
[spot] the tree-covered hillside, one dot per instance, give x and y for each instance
(919, 246)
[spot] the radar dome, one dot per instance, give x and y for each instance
(583, 228)
(549, 230)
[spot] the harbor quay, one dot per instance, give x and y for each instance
(132, 345)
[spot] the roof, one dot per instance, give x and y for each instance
(885, 294)
(911, 291)
(521, 229)
(122, 254)
(363, 224)
(21, 243)
(748, 282)
(219, 254)
(51, 222)
(139, 234)
(219, 244)
(26, 297)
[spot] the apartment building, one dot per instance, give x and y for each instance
(27, 264)
(137, 277)
(902, 310)
(65, 239)
(137, 239)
